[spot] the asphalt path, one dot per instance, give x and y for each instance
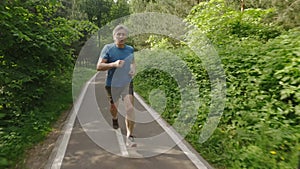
(89, 142)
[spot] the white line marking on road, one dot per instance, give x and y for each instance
(68, 129)
(172, 133)
(122, 145)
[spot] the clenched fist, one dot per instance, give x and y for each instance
(119, 63)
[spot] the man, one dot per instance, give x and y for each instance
(118, 59)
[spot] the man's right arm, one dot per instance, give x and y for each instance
(103, 65)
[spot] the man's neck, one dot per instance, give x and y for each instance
(120, 45)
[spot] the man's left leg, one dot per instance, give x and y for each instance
(129, 120)
(130, 116)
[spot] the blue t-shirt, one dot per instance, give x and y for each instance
(118, 77)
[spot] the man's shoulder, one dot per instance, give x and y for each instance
(109, 46)
(130, 48)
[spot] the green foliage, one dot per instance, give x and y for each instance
(80, 76)
(179, 8)
(285, 67)
(156, 74)
(71, 10)
(285, 15)
(119, 9)
(85, 30)
(35, 52)
(222, 23)
(97, 11)
(34, 125)
(161, 42)
(260, 123)
(261, 119)
(102, 12)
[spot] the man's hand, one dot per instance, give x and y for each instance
(119, 63)
(132, 70)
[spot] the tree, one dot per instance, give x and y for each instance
(286, 11)
(35, 52)
(120, 9)
(71, 10)
(98, 11)
(179, 8)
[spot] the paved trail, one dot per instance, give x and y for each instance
(89, 141)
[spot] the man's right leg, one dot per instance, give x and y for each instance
(113, 107)
(114, 113)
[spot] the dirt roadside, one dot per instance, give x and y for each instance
(37, 157)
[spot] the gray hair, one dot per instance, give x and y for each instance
(119, 27)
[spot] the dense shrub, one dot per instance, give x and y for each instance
(35, 58)
(260, 124)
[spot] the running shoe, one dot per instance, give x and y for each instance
(115, 123)
(130, 142)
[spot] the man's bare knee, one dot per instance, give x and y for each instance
(129, 108)
(113, 108)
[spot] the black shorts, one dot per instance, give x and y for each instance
(114, 93)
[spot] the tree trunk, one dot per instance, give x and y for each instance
(242, 5)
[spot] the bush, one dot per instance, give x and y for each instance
(260, 123)
(35, 59)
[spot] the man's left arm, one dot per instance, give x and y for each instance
(132, 68)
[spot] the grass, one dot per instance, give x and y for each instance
(80, 76)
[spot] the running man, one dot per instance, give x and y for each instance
(118, 59)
